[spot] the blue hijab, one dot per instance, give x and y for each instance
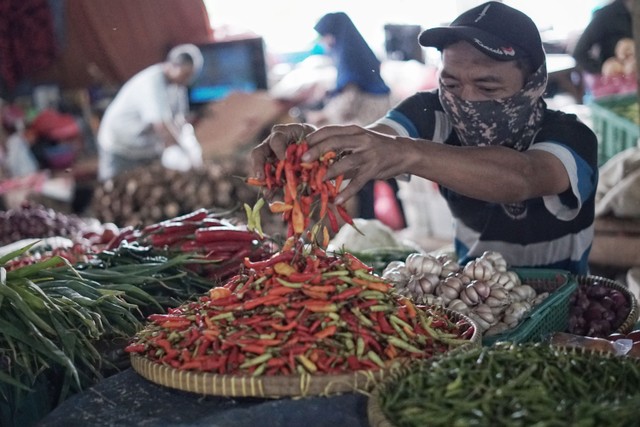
(355, 61)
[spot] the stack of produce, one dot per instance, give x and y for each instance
(153, 194)
(218, 244)
(299, 312)
(50, 323)
(598, 310)
(37, 221)
(484, 288)
(513, 385)
(305, 192)
(303, 310)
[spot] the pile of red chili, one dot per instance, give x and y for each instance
(300, 311)
(305, 189)
(220, 245)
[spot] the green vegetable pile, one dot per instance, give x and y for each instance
(516, 385)
(57, 318)
(50, 325)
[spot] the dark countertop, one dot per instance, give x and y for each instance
(128, 399)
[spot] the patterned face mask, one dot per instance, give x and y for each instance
(510, 122)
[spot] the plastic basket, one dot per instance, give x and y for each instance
(551, 315)
(615, 132)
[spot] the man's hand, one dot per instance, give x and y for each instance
(363, 155)
(275, 145)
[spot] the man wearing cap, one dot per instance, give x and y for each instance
(148, 114)
(518, 178)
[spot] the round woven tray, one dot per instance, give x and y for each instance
(375, 414)
(632, 318)
(276, 386)
(258, 386)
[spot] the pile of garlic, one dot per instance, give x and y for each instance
(484, 288)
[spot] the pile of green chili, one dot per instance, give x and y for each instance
(516, 385)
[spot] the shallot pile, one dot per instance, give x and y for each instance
(597, 310)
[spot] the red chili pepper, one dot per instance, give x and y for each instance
(291, 181)
(326, 332)
(218, 233)
(385, 326)
(279, 171)
(254, 348)
(344, 214)
(255, 182)
(284, 328)
(333, 221)
(277, 257)
(347, 293)
(277, 207)
(354, 362)
(135, 348)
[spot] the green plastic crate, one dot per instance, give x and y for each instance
(551, 315)
(615, 132)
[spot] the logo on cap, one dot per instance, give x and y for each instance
(508, 51)
(482, 13)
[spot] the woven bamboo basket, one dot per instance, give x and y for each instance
(206, 383)
(378, 418)
(632, 318)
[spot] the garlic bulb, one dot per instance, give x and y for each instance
(397, 275)
(465, 280)
(459, 306)
(448, 267)
(413, 289)
(481, 288)
(516, 311)
(484, 311)
(499, 310)
(428, 282)
(479, 269)
(420, 264)
(514, 277)
(470, 296)
(445, 257)
(494, 302)
(447, 292)
(504, 280)
(539, 298)
(496, 259)
(523, 293)
(456, 282)
(394, 265)
(500, 294)
(483, 325)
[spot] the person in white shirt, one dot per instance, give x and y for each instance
(148, 115)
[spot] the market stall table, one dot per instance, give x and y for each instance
(127, 399)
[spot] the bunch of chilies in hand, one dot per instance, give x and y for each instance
(304, 310)
(303, 188)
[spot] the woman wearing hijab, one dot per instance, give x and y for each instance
(360, 96)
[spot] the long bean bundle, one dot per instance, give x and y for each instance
(516, 385)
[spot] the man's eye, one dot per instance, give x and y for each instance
(449, 85)
(490, 90)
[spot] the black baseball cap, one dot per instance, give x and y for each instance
(495, 29)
